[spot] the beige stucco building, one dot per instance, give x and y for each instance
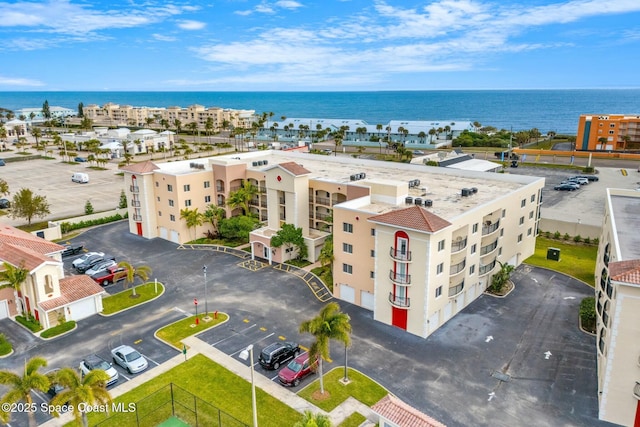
(412, 243)
(618, 309)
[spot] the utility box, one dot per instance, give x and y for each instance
(553, 254)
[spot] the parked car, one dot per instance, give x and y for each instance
(80, 159)
(566, 187)
(417, 152)
(96, 362)
(106, 277)
(100, 267)
(274, 355)
(579, 180)
(5, 204)
(295, 371)
(54, 387)
(85, 257)
(591, 178)
(574, 183)
(2, 163)
(129, 359)
(72, 249)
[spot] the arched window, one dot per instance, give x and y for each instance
(48, 284)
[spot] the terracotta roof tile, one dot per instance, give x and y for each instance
(414, 217)
(22, 256)
(294, 168)
(625, 271)
(143, 167)
(398, 412)
(18, 237)
(73, 288)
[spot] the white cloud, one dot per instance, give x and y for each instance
(288, 4)
(19, 81)
(163, 37)
(191, 25)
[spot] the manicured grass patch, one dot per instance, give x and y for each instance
(360, 388)
(221, 242)
(298, 262)
(353, 420)
(324, 273)
(123, 300)
(30, 323)
(59, 329)
(176, 332)
(5, 345)
(588, 314)
(213, 384)
(576, 260)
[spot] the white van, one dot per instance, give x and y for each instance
(80, 177)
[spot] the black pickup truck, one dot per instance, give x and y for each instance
(72, 249)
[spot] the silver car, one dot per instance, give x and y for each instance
(129, 359)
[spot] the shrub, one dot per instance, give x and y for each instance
(66, 227)
(88, 208)
(547, 234)
(123, 200)
(30, 323)
(59, 329)
(596, 241)
(556, 235)
(5, 345)
(587, 240)
(577, 238)
(566, 236)
(588, 169)
(588, 314)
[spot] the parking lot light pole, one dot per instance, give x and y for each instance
(244, 354)
(206, 307)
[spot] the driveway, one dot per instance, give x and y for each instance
(501, 362)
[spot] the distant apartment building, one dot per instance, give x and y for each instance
(618, 309)
(126, 115)
(413, 244)
(36, 115)
(608, 132)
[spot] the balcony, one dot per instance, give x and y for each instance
(636, 390)
(254, 202)
(137, 218)
(400, 255)
(323, 201)
(401, 302)
(487, 268)
(134, 189)
(488, 229)
(487, 249)
(323, 216)
(399, 278)
(455, 290)
(219, 189)
(457, 268)
(281, 200)
(262, 189)
(458, 245)
(135, 203)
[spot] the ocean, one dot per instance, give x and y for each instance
(546, 110)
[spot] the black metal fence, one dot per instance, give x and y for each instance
(169, 401)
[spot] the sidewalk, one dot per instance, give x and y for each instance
(197, 346)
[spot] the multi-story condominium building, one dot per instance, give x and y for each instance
(609, 132)
(618, 309)
(36, 115)
(412, 243)
(126, 115)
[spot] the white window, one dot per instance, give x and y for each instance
(438, 291)
(207, 184)
(504, 213)
(169, 188)
(441, 245)
(207, 199)
(521, 220)
(473, 248)
(170, 202)
(533, 198)
(347, 228)
(531, 215)
(472, 269)
(346, 247)
(475, 228)
(529, 231)
(187, 187)
(187, 202)
(440, 268)
(523, 203)
(346, 268)
(172, 218)
(519, 237)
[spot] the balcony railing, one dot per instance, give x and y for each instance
(323, 216)
(281, 200)
(397, 301)
(455, 269)
(262, 189)
(219, 189)
(254, 202)
(235, 188)
(399, 278)
(459, 245)
(137, 218)
(134, 189)
(399, 255)
(455, 290)
(135, 203)
(484, 269)
(488, 229)
(489, 248)
(323, 201)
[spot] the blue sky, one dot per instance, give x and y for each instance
(318, 45)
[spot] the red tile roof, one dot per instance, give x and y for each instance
(294, 168)
(625, 271)
(22, 257)
(403, 415)
(414, 217)
(18, 237)
(144, 167)
(73, 288)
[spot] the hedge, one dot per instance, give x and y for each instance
(66, 227)
(30, 323)
(5, 346)
(588, 314)
(59, 329)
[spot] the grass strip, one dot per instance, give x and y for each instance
(123, 300)
(576, 260)
(174, 333)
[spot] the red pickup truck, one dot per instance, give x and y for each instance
(106, 277)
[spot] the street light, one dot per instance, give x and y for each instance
(244, 354)
(206, 307)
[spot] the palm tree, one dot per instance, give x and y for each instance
(309, 419)
(432, 132)
(192, 217)
(214, 215)
(14, 278)
(20, 387)
(603, 141)
(337, 139)
(208, 127)
(130, 273)
(37, 134)
(329, 324)
(241, 197)
(82, 392)
(327, 257)
(422, 135)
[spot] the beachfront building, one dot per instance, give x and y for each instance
(413, 244)
(46, 294)
(140, 141)
(36, 115)
(608, 132)
(15, 128)
(618, 309)
(217, 118)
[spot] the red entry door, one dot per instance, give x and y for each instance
(139, 227)
(399, 318)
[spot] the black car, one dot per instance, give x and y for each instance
(91, 261)
(274, 355)
(70, 250)
(565, 187)
(591, 178)
(5, 204)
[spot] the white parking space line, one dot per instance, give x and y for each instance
(151, 360)
(125, 377)
(264, 338)
(274, 378)
(179, 310)
(236, 333)
(40, 396)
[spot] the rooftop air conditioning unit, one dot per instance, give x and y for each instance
(254, 163)
(408, 200)
(265, 162)
(353, 177)
(466, 192)
(474, 190)
(428, 203)
(417, 201)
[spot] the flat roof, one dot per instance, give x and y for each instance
(624, 212)
(442, 185)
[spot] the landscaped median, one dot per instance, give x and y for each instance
(174, 333)
(124, 300)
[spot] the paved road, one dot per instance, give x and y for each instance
(448, 375)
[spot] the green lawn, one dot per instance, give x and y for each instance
(123, 300)
(577, 260)
(360, 387)
(213, 384)
(353, 420)
(176, 332)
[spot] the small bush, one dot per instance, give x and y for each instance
(596, 241)
(588, 314)
(66, 227)
(566, 236)
(30, 323)
(59, 329)
(587, 240)
(556, 235)
(5, 345)
(577, 238)
(547, 234)
(88, 208)
(588, 169)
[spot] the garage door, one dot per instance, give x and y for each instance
(175, 237)
(82, 309)
(434, 322)
(163, 233)
(447, 312)
(366, 300)
(4, 309)
(347, 293)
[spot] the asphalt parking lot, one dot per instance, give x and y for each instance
(488, 366)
